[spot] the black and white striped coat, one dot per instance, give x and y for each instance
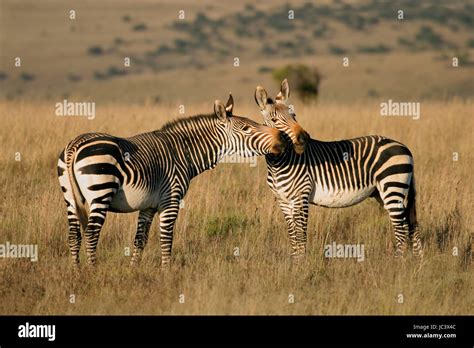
(150, 173)
(338, 174)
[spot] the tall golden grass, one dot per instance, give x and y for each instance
(231, 207)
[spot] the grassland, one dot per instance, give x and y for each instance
(231, 207)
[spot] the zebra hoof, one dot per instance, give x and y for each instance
(166, 266)
(399, 254)
(91, 264)
(134, 263)
(418, 255)
(297, 259)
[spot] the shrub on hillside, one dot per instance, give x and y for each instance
(427, 35)
(95, 51)
(27, 77)
(381, 48)
(303, 79)
(337, 50)
(140, 27)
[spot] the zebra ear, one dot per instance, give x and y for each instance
(261, 97)
(284, 93)
(230, 105)
(220, 111)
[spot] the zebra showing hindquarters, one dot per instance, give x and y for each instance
(337, 174)
(150, 172)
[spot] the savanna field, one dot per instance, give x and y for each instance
(231, 207)
(231, 253)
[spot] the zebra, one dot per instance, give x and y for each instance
(150, 173)
(337, 174)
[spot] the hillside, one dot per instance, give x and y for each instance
(192, 59)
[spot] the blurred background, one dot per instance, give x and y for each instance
(185, 51)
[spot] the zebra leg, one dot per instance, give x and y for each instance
(74, 236)
(416, 242)
(393, 204)
(399, 201)
(167, 220)
(287, 210)
(301, 225)
(414, 233)
(401, 237)
(96, 220)
(145, 218)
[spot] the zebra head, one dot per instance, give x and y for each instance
(244, 136)
(278, 114)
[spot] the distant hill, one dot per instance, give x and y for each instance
(85, 56)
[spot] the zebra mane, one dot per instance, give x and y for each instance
(181, 123)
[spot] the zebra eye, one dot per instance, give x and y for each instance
(246, 128)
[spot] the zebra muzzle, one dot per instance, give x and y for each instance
(278, 148)
(300, 144)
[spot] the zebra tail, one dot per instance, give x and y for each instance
(411, 207)
(79, 199)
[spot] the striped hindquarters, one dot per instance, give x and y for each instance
(92, 169)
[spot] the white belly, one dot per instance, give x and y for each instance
(129, 199)
(338, 199)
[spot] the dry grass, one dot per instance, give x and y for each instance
(232, 207)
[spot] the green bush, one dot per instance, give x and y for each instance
(140, 27)
(268, 50)
(302, 79)
(182, 46)
(114, 71)
(27, 77)
(95, 51)
(264, 69)
(321, 31)
(427, 35)
(333, 49)
(279, 20)
(381, 48)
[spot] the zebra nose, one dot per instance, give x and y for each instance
(278, 148)
(302, 138)
(279, 145)
(301, 141)
(281, 137)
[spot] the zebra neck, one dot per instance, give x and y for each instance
(201, 145)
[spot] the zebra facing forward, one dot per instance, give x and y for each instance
(337, 174)
(150, 172)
